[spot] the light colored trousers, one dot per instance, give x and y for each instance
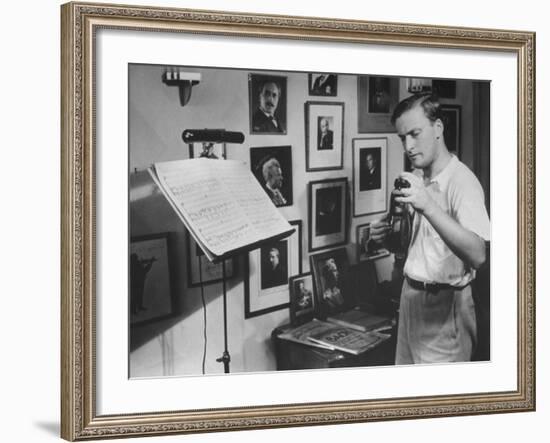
(435, 327)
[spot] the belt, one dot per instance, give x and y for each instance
(432, 287)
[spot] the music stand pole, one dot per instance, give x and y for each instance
(225, 358)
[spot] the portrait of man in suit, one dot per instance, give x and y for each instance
(274, 265)
(369, 169)
(267, 101)
(325, 135)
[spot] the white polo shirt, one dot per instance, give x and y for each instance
(458, 192)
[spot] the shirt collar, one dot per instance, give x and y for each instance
(442, 179)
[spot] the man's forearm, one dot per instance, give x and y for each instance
(465, 244)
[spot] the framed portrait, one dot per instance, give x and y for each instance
(208, 150)
(267, 271)
(368, 249)
(152, 294)
(102, 127)
(267, 104)
(303, 303)
(200, 270)
(451, 116)
(369, 175)
(330, 272)
(444, 88)
(328, 213)
(377, 97)
(272, 166)
(324, 85)
(324, 136)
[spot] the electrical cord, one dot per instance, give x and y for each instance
(204, 318)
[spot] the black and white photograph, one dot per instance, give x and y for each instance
(266, 273)
(370, 172)
(212, 150)
(185, 281)
(369, 175)
(330, 272)
(328, 210)
(380, 99)
(368, 248)
(267, 104)
(324, 135)
(302, 298)
(200, 270)
(152, 292)
(377, 96)
(351, 192)
(324, 85)
(419, 85)
(273, 265)
(272, 167)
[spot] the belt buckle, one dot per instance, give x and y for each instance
(430, 287)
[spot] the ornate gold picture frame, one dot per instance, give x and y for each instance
(81, 418)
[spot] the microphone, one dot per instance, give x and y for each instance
(212, 135)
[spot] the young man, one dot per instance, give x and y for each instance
(437, 318)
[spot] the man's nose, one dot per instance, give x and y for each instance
(408, 143)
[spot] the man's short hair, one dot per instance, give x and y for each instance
(268, 165)
(427, 101)
(275, 250)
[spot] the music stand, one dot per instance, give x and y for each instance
(191, 136)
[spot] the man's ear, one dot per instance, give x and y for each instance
(439, 128)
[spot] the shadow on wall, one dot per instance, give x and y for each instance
(150, 213)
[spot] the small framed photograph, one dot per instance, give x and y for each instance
(152, 287)
(267, 104)
(324, 136)
(369, 175)
(208, 150)
(444, 88)
(324, 85)
(451, 117)
(272, 166)
(330, 271)
(419, 85)
(302, 298)
(368, 249)
(328, 211)
(200, 270)
(267, 271)
(377, 96)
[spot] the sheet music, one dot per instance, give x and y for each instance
(222, 201)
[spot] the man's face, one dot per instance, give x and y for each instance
(370, 162)
(275, 178)
(419, 137)
(324, 126)
(274, 258)
(269, 98)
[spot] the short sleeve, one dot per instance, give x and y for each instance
(468, 206)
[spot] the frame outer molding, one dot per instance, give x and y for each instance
(78, 24)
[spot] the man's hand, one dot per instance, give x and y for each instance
(379, 231)
(416, 195)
